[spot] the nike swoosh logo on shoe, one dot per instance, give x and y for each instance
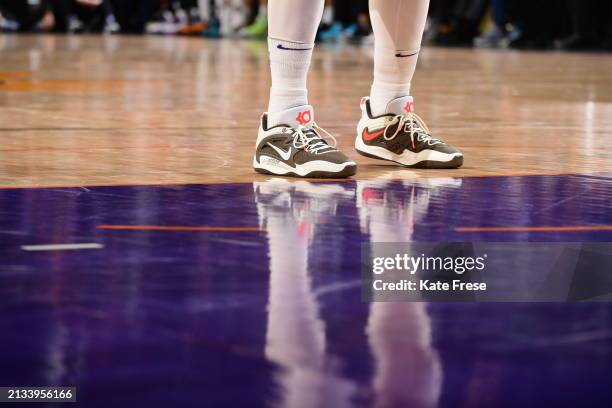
(284, 154)
(282, 47)
(400, 55)
(367, 136)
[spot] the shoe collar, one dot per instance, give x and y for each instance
(293, 117)
(398, 106)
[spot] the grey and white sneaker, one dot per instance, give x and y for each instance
(402, 137)
(297, 149)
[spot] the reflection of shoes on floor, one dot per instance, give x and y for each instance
(402, 137)
(390, 209)
(296, 148)
(300, 199)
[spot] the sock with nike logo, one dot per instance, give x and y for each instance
(292, 29)
(289, 62)
(398, 30)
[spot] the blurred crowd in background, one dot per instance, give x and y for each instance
(521, 24)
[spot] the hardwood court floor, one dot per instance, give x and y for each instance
(78, 111)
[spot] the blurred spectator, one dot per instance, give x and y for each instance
(533, 24)
(257, 19)
(133, 15)
(503, 30)
(197, 20)
(79, 15)
(57, 15)
(541, 22)
(25, 14)
(457, 21)
(351, 21)
(590, 25)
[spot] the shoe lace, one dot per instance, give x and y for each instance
(414, 126)
(307, 137)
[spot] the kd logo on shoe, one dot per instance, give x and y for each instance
(304, 117)
(409, 108)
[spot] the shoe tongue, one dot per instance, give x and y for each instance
(300, 115)
(401, 106)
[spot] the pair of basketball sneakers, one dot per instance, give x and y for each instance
(297, 146)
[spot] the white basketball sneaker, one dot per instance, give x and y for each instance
(402, 137)
(297, 149)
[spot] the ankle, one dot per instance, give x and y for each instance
(381, 94)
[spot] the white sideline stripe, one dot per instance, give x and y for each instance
(61, 247)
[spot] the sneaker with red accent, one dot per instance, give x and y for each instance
(296, 148)
(402, 137)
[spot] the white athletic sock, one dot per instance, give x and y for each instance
(398, 30)
(289, 63)
(292, 26)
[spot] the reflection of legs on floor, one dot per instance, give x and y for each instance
(295, 338)
(408, 372)
(295, 331)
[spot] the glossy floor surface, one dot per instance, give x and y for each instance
(114, 110)
(198, 283)
(249, 295)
